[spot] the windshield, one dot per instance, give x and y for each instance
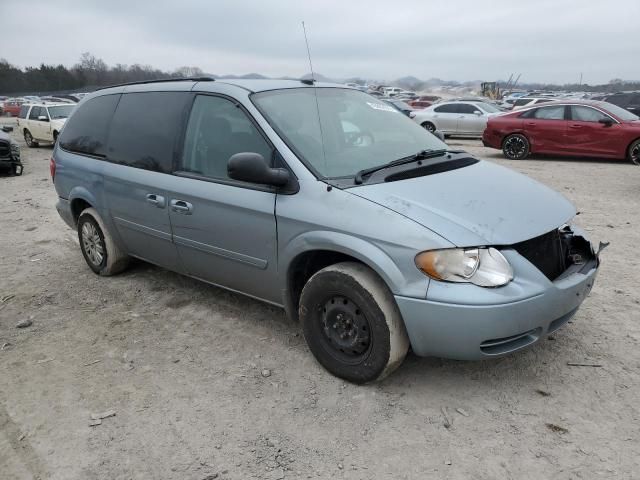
(621, 113)
(62, 111)
(346, 132)
(487, 107)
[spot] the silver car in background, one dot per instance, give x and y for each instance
(329, 203)
(464, 118)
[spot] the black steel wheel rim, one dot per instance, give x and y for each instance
(515, 147)
(429, 127)
(345, 330)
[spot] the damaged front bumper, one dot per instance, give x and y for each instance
(10, 158)
(467, 322)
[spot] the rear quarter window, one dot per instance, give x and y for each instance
(86, 131)
(145, 130)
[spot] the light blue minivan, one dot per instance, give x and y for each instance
(329, 203)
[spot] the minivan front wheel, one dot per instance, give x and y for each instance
(516, 147)
(98, 248)
(28, 139)
(352, 324)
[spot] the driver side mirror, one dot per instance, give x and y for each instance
(253, 168)
(477, 112)
(607, 122)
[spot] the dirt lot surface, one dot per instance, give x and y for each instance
(181, 365)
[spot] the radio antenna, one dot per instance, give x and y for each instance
(315, 91)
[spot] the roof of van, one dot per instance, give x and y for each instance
(252, 85)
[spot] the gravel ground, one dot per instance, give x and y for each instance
(208, 384)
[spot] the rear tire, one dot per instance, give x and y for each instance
(516, 147)
(98, 248)
(429, 127)
(28, 138)
(352, 324)
(634, 152)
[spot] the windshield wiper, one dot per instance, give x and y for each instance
(421, 155)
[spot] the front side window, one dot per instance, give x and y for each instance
(145, 130)
(217, 130)
(338, 132)
(467, 108)
(448, 108)
(587, 114)
(86, 131)
(35, 113)
(549, 113)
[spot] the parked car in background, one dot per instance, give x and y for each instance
(391, 91)
(524, 102)
(419, 104)
(11, 106)
(401, 106)
(9, 152)
(376, 239)
(456, 117)
(628, 100)
(42, 122)
(578, 128)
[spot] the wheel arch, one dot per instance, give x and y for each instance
(627, 150)
(79, 199)
(311, 252)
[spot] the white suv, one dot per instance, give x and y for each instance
(41, 122)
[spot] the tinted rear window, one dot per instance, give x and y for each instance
(86, 130)
(145, 129)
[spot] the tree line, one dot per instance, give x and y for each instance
(89, 73)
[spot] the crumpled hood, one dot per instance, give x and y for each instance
(482, 204)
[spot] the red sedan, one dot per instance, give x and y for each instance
(577, 128)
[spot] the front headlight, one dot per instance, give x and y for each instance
(485, 267)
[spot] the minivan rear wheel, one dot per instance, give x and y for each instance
(515, 146)
(352, 324)
(634, 152)
(98, 248)
(28, 138)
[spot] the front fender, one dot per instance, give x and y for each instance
(365, 251)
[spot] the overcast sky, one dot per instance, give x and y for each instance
(545, 40)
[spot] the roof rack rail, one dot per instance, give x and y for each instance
(162, 80)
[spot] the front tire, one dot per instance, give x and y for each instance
(352, 324)
(516, 146)
(98, 248)
(28, 139)
(634, 152)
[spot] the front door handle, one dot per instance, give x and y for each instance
(575, 126)
(180, 206)
(156, 200)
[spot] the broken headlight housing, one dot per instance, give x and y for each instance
(485, 267)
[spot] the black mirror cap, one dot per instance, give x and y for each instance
(606, 121)
(252, 167)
